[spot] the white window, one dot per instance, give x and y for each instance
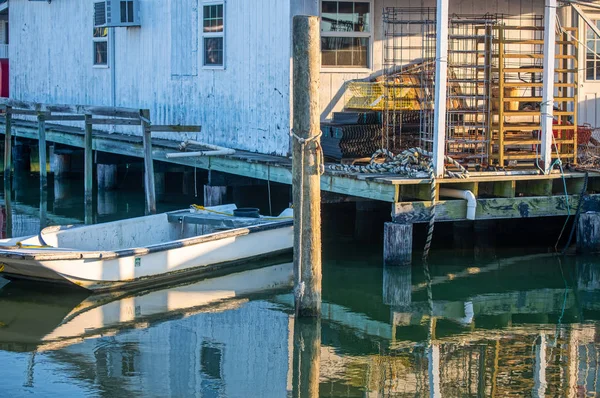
(100, 35)
(592, 54)
(346, 34)
(213, 35)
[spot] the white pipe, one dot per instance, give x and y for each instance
(441, 74)
(546, 109)
(214, 150)
(462, 194)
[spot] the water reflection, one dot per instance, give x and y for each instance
(524, 325)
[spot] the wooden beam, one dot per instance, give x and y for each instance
(7, 145)
(76, 109)
(114, 122)
(42, 152)
(148, 164)
(88, 161)
(65, 118)
(176, 128)
(490, 209)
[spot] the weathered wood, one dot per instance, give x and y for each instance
(497, 208)
(107, 176)
(306, 357)
(59, 163)
(77, 109)
(505, 189)
(175, 128)
(42, 152)
(306, 166)
(8, 206)
(88, 165)
(8, 144)
(114, 122)
(148, 164)
(534, 188)
(214, 195)
(588, 233)
(65, 118)
(397, 243)
(23, 112)
(420, 192)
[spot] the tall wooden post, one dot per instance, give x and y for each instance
(306, 166)
(88, 166)
(148, 163)
(306, 358)
(8, 144)
(8, 205)
(43, 152)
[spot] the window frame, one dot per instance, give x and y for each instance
(208, 35)
(596, 59)
(100, 40)
(368, 35)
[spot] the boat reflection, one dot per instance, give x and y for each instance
(41, 319)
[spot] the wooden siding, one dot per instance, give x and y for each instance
(158, 66)
(334, 93)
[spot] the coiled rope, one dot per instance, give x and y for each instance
(411, 163)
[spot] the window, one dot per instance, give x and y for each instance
(213, 30)
(592, 55)
(101, 46)
(100, 35)
(345, 34)
(127, 11)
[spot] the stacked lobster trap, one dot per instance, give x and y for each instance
(493, 87)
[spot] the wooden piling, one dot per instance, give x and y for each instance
(8, 144)
(306, 357)
(88, 165)
(42, 152)
(588, 233)
(148, 163)
(306, 166)
(397, 243)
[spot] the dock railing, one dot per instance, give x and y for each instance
(90, 116)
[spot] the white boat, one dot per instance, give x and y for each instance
(146, 251)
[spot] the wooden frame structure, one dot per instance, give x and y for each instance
(110, 116)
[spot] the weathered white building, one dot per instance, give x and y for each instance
(223, 64)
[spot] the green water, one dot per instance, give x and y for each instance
(485, 322)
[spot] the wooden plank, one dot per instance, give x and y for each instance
(420, 192)
(65, 118)
(42, 152)
(176, 128)
(489, 209)
(24, 112)
(76, 109)
(114, 122)
(148, 164)
(504, 189)
(534, 188)
(7, 145)
(88, 161)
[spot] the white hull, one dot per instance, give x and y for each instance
(143, 265)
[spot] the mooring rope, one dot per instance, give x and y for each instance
(299, 290)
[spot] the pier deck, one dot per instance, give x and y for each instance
(499, 194)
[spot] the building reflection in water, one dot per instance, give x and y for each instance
(514, 327)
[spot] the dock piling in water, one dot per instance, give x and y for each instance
(88, 160)
(148, 162)
(8, 144)
(397, 243)
(588, 233)
(306, 165)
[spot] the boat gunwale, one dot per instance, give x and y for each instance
(49, 255)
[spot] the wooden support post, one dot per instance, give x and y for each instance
(148, 163)
(214, 196)
(8, 205)
(106, 176)
(306, 166)
(88, 161)
(8, 144)
(42, 151)
(397, 243)
(546, 115)
(306, 357)
(441, 72)
(588, 233)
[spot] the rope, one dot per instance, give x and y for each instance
(299, 291)
(431, 216)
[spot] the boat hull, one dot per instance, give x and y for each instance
(143, 267)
